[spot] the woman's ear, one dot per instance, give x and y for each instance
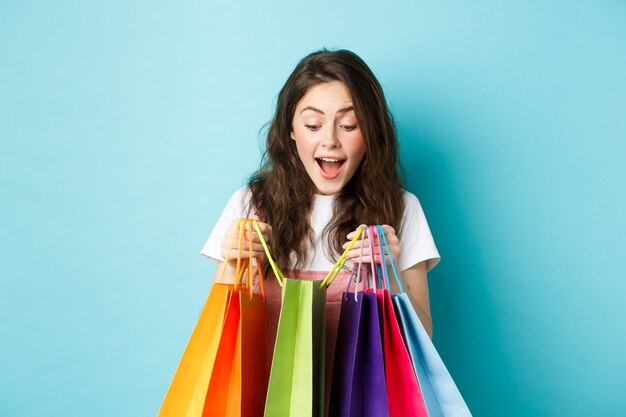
(292, 135)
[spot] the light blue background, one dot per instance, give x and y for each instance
(125, 127)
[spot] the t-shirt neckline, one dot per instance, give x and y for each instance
(324, 197)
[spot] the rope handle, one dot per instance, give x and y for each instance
(243, 265)
(358, 267)
(383, 263)
(251, 262)
(277, 272)
(334, 271)
(332, 274)
(393, 264)
(376, 282)
(230, 247)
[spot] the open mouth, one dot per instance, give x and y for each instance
(330, 167)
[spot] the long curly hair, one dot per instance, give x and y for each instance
(282, 191)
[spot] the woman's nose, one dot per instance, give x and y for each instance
(330, 140)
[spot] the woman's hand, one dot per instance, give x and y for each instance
(355, 252)
(256, 250)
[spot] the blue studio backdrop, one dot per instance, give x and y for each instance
(126, 125)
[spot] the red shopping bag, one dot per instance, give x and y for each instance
(238, 384)
(404, 397)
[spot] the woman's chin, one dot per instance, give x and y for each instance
(324, 188)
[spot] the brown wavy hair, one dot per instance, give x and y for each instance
(282, 192)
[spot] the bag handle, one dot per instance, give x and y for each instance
(385, 245)
(251, 261)
(277, 272)
(240, 268)
(230, 247)
(241, 265)
(358, 267)
(383, 262)
(376, 281)
(258, 263)
(334, 271)
(330, 277)
(376, 234)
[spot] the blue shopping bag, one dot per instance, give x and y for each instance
(440, 393)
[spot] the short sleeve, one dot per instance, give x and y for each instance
(234, 210)
(416, 241)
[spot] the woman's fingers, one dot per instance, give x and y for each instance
(351, 234)
(355, 255)
(246, 238)
(265, 229)
(388, 229)
(390, 236)
(254, 237)
(392, 241)
(245, 255)
(245, 245)
(367, 260)
(249, 231)
(365, 243)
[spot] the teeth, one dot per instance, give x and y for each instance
(329, 160)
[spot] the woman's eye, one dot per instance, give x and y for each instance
(312, 127)
(349, 127)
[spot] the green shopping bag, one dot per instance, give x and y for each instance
(296, 383)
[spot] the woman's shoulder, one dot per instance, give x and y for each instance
(239, 200)
(410, 200)
(241, 192)
(413, 215)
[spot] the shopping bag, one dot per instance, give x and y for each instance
(254, 372)
(404, 396)
(358, 383)
(225, 384)
(296, 382)
(441, 394)
(185, 396)
(239, 380)
(206, 356)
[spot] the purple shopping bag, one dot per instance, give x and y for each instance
(358, 383)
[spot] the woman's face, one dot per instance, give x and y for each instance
(328, 137)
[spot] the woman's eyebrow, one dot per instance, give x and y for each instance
(344, 110)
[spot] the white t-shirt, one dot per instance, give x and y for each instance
(416, 241)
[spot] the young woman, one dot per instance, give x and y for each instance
(331, 165)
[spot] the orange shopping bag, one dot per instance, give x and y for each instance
(222, 372)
